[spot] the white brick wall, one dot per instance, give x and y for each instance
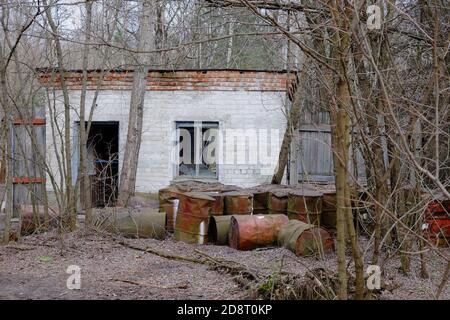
(232, 109)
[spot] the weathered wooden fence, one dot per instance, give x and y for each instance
(28, 156)
(315, 155)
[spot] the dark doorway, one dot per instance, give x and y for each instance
(103, 162)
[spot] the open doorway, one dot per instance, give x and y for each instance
(103, 162)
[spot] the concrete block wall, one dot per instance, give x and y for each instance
(261, 111)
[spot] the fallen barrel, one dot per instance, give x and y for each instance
(237, 202)
(304, 239)
(138, 223)
(305, 205)
(218, 229)
(192, 220)
(252, 231)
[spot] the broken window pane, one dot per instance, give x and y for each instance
(197, 149)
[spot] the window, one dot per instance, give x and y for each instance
(197, 148)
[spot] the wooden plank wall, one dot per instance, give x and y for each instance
(28, 172)
(315, 156)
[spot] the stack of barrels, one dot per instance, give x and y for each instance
(246, 219)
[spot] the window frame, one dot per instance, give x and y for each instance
(198, 145)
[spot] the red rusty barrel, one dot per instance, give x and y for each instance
(192, 218)
(238, 202)
(437, 217)
(218, 205)
(304, 239)
(260, 199)
(328, 217)
(305, 205)
(248, 232)
(165, 195)
(278, 201)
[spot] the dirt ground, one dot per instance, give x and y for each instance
(35, 268)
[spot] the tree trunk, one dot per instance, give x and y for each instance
(292, 126)
(69, 213)
(85, 193)
(340, 178)
(146, 42)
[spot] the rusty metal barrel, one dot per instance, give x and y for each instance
(218, 230)
(260, 199)
(248, 232)
(171, 209)
(217, 208)
(238, 202)
(277, 201)
(131, 222)
(305, 205)
(304, 239)
(329, 206)
(165, 195)
(328, 217)
(192, 219)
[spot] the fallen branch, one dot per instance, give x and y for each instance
(163, 254)
(183, 285)
(240, 273)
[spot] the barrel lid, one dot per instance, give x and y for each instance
(238, 193)
(280, 193)
(306, 193)
(199, 195)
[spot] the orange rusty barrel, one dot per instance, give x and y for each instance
(304, 239)
(329, 207)
(238, 202)
(171, 209)
(305, 205)
(260, 199)
(218, 205)
(192, 219)
(278, 201)
(328, 217)
(165, 195)
(248, 232)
